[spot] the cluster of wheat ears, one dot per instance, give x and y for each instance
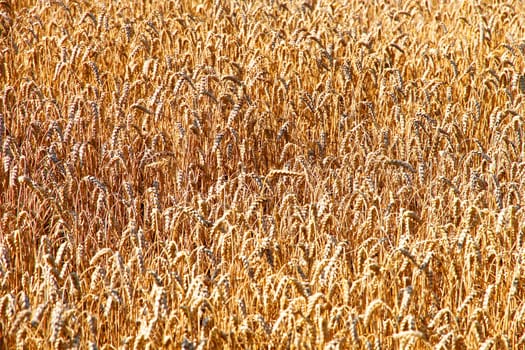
(262, 174)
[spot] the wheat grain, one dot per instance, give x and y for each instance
(335, 167)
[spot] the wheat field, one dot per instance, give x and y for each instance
(262, 174)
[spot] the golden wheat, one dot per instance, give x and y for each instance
(300, 174)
